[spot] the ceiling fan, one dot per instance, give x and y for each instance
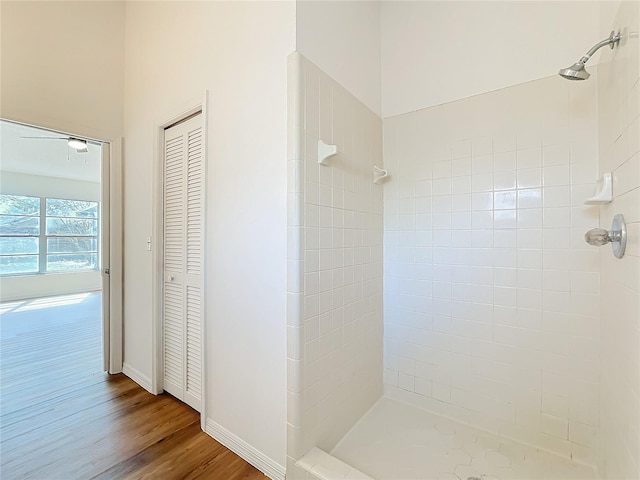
(78, 144)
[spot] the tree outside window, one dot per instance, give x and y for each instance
(42, 235)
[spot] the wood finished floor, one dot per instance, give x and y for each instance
(62, 418)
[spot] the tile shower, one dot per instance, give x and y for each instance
(485, 328)
(491, 293)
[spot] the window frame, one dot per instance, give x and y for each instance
(42, 237)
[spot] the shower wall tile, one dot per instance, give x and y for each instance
(491, 296)
(619, 133)
(336, 350)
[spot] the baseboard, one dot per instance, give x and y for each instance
(241, 448)
(137, 376)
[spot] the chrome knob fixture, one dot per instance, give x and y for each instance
(597, 237)
(617, 236)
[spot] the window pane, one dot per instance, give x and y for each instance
(71, 208)
(19, 205)
(18, 264)
(13, 225)
(71, 245)
(65, 261)
(72, 226)
(18, 245)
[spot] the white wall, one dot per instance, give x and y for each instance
(343, 39)
(619, 135)
(13, 183)
(607, 15)
(491, 293)
(335, 261)
(47, 285)
(62, 65)
(436, 52)
(19, 287)
(238, 51)
(398, 57)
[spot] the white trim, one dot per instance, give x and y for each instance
(192, 107)
(205, 359)
(269, 467)
(116, 242)
(157, 247)
(137, 376)
(82, 131)
(104, 242)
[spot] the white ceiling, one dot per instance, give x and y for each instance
(47, 157)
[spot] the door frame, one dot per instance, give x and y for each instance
(112, 269)
(111, 191)
(116, 256)
(176, 115)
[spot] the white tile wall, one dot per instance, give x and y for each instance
(491, 294)
(618, 120)
(335, 256)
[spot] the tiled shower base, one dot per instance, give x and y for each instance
(394, 441)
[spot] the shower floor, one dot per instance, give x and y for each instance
(395, 441)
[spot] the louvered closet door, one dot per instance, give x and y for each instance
(183, 222)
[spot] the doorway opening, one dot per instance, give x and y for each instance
(55, 243)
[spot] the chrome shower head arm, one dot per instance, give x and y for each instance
(611, 41)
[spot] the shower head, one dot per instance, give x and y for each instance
(577, 70)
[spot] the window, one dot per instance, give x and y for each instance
(19, 234)
(41, 235)
(72, 235)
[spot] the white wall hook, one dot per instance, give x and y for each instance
(380, 175)
(325, 152)
(604, 191)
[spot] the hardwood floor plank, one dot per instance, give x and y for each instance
(62, 418)
(149, 458)
(97, 390)
(228, 465)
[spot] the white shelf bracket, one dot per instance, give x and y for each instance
(604, 191)
(325, 152)
(380, 175)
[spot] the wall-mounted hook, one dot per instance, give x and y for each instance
(325, 152)
(380, 175)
